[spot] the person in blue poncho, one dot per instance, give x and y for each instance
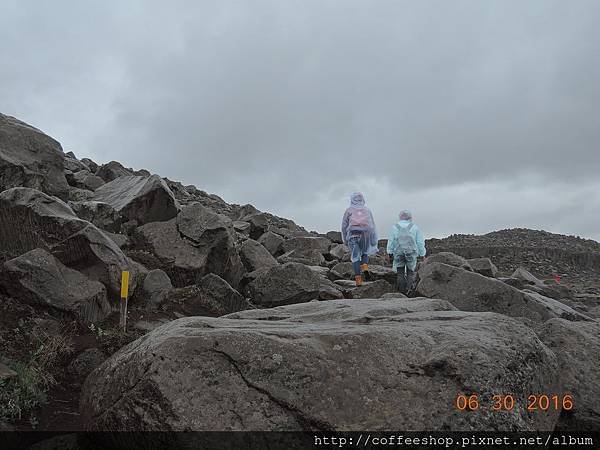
(360, 235)
(405, 245)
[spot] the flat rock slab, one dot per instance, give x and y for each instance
(310, 370)
(471, 291)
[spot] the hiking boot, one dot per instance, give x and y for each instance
(359, 280)
(365, 270)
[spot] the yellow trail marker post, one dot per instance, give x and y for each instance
(124, 295)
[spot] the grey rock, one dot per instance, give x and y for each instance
(72, 164)
(155, 288)
(272, 242)
(39, 278)
(471, 291)
(112, 170)
(79, 195)
(483, 266)
(577, 346)
(307, 256)
(450, 259)
(121, 240)
(374, 289)
(308, 371)
(212, 296)
(91, 165)
(305, 244)
(393, 295)
(376, 272)
(86, 362)
(242, 227)
(322, 271)
(523, 274)
(195, 243)
(259, 223)
(255, 256)
(84, 179)
(338, 251)
(100, 214)
(334, 236)
(141, 199)
(30, 219)
(29, 158)
(284, 285)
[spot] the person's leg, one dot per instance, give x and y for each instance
(355, 257)
(364, 266)
(411, 273)
(401, 264)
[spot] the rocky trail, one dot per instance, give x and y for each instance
(242, 320)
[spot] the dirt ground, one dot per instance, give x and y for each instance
(19, 326)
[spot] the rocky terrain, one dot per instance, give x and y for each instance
(242, 320)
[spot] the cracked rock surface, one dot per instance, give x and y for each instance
(336, 365)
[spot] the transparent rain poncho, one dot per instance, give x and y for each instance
(358, 221)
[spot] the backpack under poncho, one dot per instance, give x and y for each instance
(404, 242)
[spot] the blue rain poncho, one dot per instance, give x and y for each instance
(398, 230)
(358, 219)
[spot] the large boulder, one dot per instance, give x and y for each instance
(138, 198)
(285, 284)
(577, 345)
(271, 241)
(259, 223)
(483, 266)
(212, 296)
(305, 244)
(255, 256)
(30, 158)
(306, 367)
(471, 291)
(195, 243)
(38, 278)
(30, 219)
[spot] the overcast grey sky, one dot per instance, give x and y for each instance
(476, 115)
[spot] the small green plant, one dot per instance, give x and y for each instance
(27, 390)
(20, 394)
(99, 332)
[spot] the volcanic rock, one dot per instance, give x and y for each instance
(29, 158)
(39, 278)
(138, 198)
(305, 367)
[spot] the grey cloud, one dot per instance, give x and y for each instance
(290, 105)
